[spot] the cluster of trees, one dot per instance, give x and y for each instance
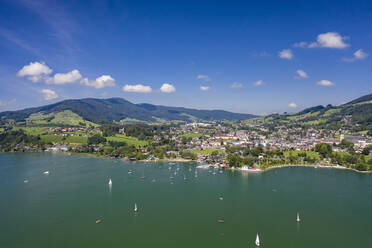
(96, 139)
(9, 140)
(188, 154)
(110, 129)
(324, 150)
(237, 156)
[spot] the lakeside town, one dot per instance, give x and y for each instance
(251, 145)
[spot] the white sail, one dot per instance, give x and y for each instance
(298, 218)
(257, 240)
(110, 182)
(135, 207)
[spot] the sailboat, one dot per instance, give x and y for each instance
(298, 218)
(110, 182)
(257, 242)
(135, 207)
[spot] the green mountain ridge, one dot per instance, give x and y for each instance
(118, 109)
(356, 114)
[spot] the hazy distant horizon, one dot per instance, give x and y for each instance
(191, 107)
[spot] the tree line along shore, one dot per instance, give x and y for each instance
(182, 142)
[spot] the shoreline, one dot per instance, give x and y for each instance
(182, 160)
(315, 166)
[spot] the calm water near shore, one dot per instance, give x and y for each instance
(60, 209)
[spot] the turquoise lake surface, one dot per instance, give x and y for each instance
(176, 209)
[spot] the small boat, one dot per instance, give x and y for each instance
(298, 218)
(98, 221)
(257, 242)
(110, 182)
(203, 166)
(246, 168)
(46, 172)
(135, 207)
(221, 198)
(221, 221)
(129, 172)
(25, 181)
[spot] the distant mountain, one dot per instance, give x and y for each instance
(356, 114)
(118, 109)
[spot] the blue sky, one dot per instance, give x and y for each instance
(254, 57)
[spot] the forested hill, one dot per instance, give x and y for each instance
(356, 114)
(118, 109)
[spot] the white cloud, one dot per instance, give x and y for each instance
(49, 94)
(205, 78)
(167, 88)
(292, 105)
(301, 74)
(358, 55)
(258, 83)
(286, 54)
(236, 85)
(100, 82)
(64, 78)
(329, 40)
(138, 88)
(35, 71)
(325, 83)
(205, 88)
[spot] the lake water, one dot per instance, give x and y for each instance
(60, 209)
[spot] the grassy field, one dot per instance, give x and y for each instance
(207, 150)
(310, 154)
(301, 117)
(77, 139)
(32, 130)
(342, 154)
(330, 112)
(66, 117)
(256, 119)
(191, 135)
(129, 140)
(68, 139)
(51, 138)
(315, 122)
